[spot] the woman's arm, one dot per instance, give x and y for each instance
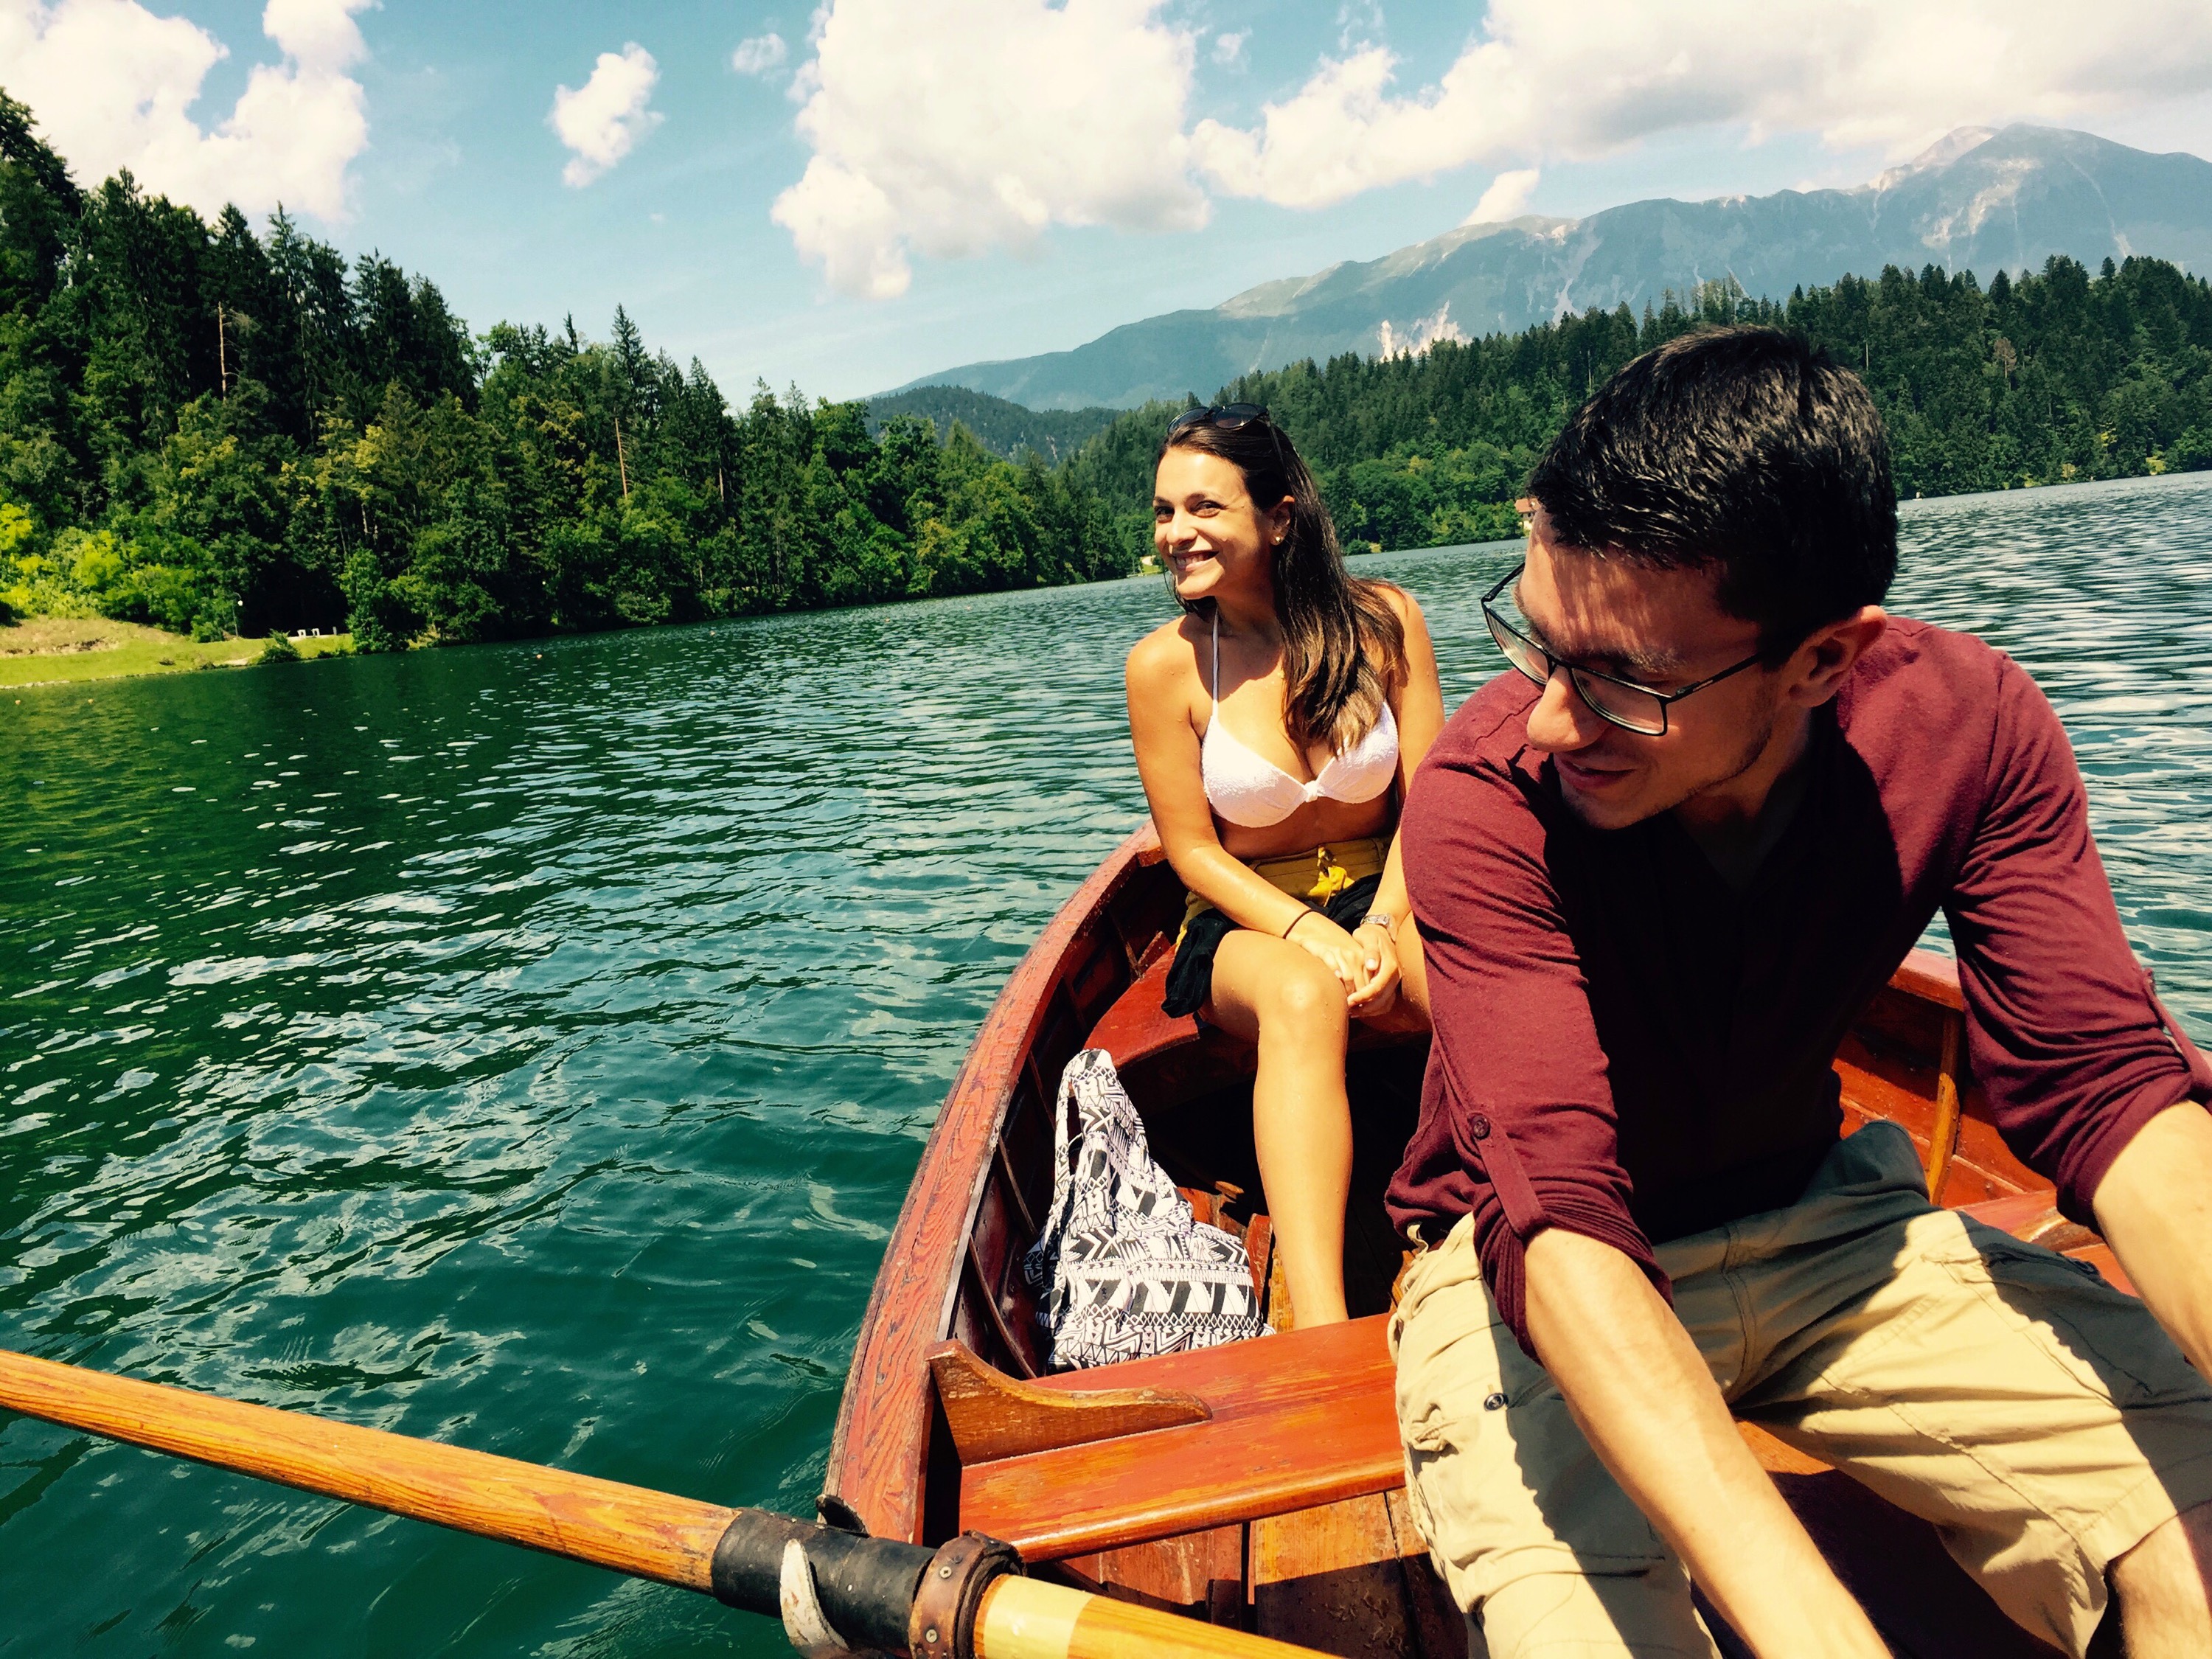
(1418, 703)
(1168, 763)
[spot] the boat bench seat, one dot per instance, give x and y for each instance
(1134, 1027)
(1253, 1428)
(1081, 1461)
(1190, 1441)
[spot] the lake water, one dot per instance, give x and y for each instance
(529, 1046)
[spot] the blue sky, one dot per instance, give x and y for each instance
(978, 179)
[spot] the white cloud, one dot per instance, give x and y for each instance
(1359, 21)
(759, 55)
(602, 120)
(1567, 78)
(968, 125)
(1508, 195)
(110, 84)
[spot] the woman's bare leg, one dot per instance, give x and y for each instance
(1290, 1008)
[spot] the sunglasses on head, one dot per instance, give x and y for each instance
(1227, 416)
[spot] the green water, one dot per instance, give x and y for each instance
(529, 1047)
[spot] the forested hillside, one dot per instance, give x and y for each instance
(1000, 426)
(214, 431)
(210, 430)
(2034, 379)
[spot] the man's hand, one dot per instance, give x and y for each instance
(1641, 1393)
(2155, 1208)
(1378, 987)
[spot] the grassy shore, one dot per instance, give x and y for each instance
(57, 650)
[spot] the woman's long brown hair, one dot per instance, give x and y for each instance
(1343, 646)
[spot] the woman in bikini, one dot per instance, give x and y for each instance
(1277, 722)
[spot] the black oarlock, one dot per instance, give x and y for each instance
(865, 1585)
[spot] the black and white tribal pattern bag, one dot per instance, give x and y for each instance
(1123, 1268)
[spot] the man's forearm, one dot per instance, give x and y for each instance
(1642, 1394)
(2155, 1208)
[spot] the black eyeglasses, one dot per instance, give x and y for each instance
(1624, 703)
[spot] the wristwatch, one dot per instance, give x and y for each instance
(1382, 919)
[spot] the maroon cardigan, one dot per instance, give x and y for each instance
(1627, 1047)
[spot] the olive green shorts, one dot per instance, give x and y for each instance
(2039, 1418)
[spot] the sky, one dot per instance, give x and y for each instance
(847, 197)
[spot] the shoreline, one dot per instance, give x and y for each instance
(49, 651)
(46, 651)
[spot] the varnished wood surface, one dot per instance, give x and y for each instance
(1136, 1029)
(880, 1452)
(1943, 1136)
(1198, 1574)
(647, 1534)
(1022, 1618)
(1358, 1568)
(1775, 1457)
(1880, 1086)
(993, 1416)
(1299, 1419)
(1931, 978)
(2032, 1217)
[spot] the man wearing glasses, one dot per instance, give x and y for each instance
(1657, 874)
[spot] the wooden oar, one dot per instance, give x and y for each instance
(958, 1602)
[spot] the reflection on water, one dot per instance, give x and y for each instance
(529, 1046)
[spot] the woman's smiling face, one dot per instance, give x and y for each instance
(1209, 533)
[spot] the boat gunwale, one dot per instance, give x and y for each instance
(887, 1400)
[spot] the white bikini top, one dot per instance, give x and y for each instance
(1250, 791)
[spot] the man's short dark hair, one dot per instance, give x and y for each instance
(1742, 450)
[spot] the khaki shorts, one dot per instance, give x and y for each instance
(2039, 1419)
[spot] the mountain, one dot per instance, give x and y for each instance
(1003, 427)
(1978, 201)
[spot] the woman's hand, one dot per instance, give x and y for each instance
(1378, 962)
(1316, 935)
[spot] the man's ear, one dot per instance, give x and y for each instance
(1816, 670)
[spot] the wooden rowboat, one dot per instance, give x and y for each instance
(1261, 1483)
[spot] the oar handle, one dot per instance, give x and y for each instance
(1023, 1618)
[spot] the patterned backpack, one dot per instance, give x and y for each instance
(1123, 1269)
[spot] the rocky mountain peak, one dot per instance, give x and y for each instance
(1977, 199)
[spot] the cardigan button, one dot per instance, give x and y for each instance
(1480, 1128)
